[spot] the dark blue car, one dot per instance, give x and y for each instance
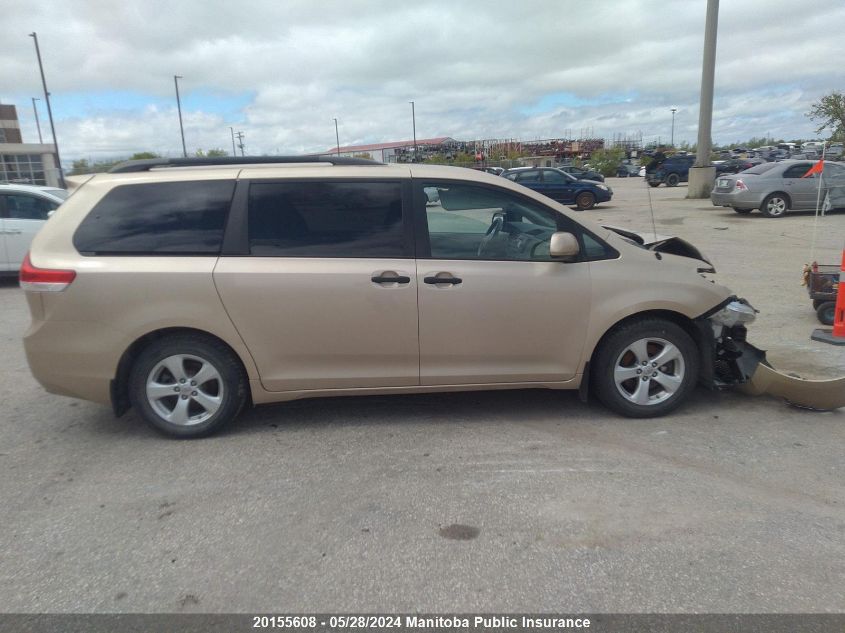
(560, 186)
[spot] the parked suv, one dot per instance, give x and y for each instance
(560, 186)
(190, 288)
(670, 170)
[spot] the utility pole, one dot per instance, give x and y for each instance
(176, 79)
(37, 123)
(414, 123)
(34, 36)
(337, 137)
(701, 174)
(232, 130)
(240, 136)
(674, 110)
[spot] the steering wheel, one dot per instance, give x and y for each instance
(494, 229)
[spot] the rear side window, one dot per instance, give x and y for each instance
(326, 219)
(177, 218)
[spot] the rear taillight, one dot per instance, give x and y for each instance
(44, 279)
(740, 186)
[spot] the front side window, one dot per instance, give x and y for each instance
(326, 219)
(23, 207)
(472, 222)
(177, 218)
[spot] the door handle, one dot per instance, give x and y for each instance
(12, 232)
(443, 280)
(390, 279)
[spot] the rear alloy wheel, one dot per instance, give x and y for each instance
(187, 385)
(672, 180)
(775, 205)
(742, 211)
(585, 200)
(826, 312)
(645, 368)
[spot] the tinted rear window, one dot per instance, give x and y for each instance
(326, 219)
(179, 218)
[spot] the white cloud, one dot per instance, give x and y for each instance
(474, 68)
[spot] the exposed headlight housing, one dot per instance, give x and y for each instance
(734, 313)
(604, 187)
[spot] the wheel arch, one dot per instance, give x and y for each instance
(119, 387)
(697, 331)
(783, 194)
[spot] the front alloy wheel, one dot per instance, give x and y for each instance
(649, 371)
(645, 368)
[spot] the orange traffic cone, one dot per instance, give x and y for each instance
(836, 336)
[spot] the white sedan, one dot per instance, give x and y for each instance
(23, 211)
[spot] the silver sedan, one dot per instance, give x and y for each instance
(776, 188)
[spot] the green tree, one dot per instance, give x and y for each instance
(143, 155)
(605, 161)
(829, 113)
(80, 166)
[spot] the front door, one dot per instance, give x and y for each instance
(559, 186)
(325, 296)
(493, 306)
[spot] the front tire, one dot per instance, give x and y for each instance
(187, 385)
(585, 200)
(645, 368)
(775, 205)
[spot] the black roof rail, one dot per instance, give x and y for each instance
(151, 163)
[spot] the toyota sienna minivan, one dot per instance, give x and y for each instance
(188, 289)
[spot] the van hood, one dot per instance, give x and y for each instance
(663, 244)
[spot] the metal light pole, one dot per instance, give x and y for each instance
(176, 79)
(337, 137)
(414, 123)
(37, 123)
(34, 36)
(674, 110)
(232, 130)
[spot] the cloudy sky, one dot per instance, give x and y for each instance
(281, 70)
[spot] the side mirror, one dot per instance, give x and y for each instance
(563, 245)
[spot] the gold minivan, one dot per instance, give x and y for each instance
(189, 288)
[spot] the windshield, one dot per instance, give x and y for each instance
(59, 193)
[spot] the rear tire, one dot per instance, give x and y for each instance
(585, 200)
(826, 312)
(654, 184)
(672, 180)
(775, 205)
(742, 211)
(187, 385)
(630, 388)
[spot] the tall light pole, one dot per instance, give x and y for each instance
(37, 123)
(674, 110)
(414, 123)
(337, 137)
(232, 130)
(34, 36)
(176, 79)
